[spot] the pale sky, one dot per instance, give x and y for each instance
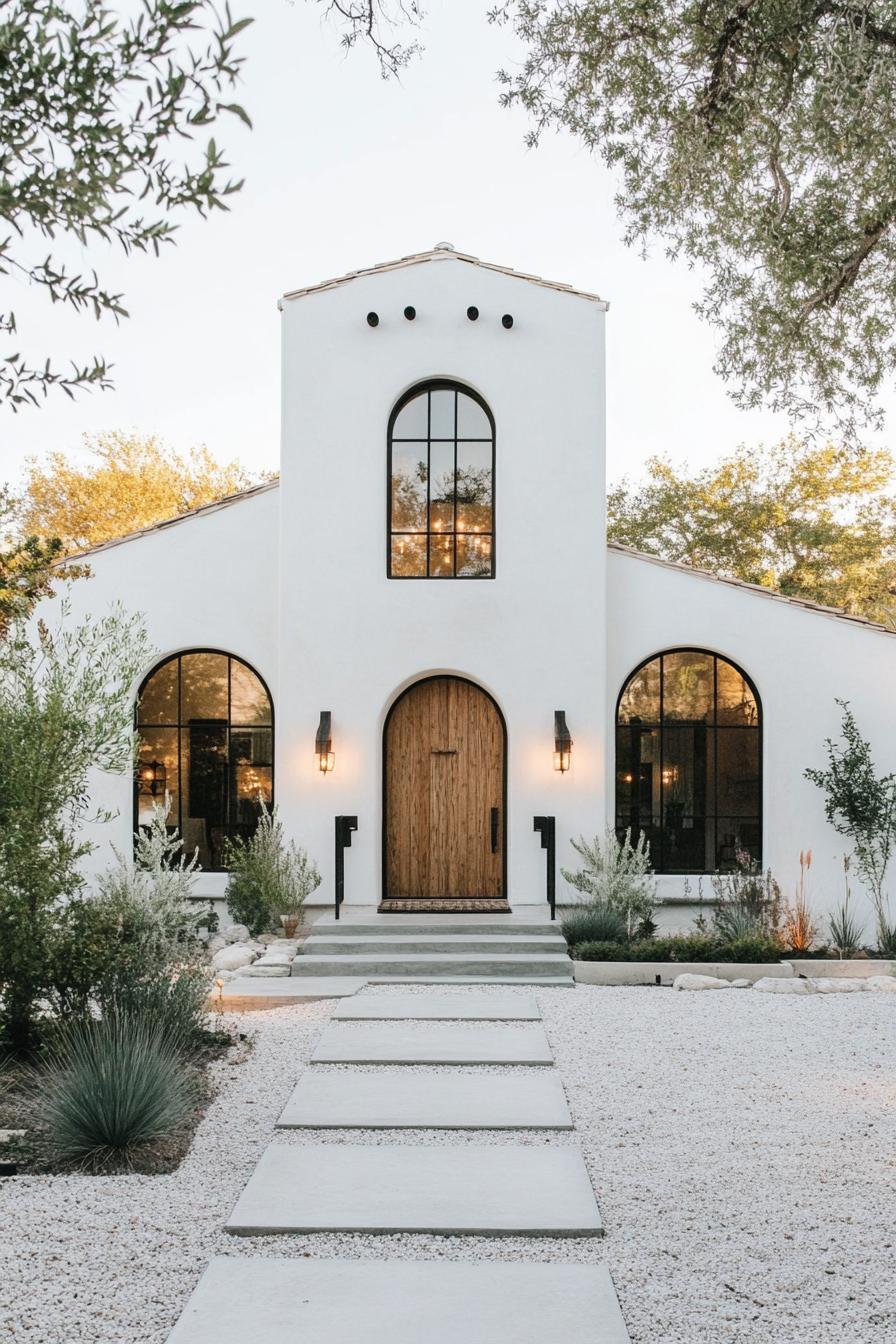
(342, 171)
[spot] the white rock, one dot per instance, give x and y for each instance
(884, 983)
(689, 981)
(274, 959)
(838, 984)
(288, 945)
(741, 984)
(267, 938)
(233, 958)
(216, 942)
(237, 933)
(771, 984)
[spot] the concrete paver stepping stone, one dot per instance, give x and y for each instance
(243, 995)
(449, 1189)
(421, 1100)
(281, 1301)
(434, 1043)
(440, 1007)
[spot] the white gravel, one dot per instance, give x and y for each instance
(742, 1147)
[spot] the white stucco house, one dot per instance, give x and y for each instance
(421, 625)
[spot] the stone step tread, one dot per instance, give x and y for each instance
(275, 1300)
(422, 1099)
(437, 940)
(432, 1043)
(438, 1008)
(390, 924)
(551, 959)
(463, 1189)
(550, 981)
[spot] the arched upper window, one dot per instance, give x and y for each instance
(442, 485)
(206, 726)
(688, 761)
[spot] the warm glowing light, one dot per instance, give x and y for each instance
(326, 761)
(562, 760)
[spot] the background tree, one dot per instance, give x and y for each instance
(131, 481)
(373, 23)
(811, 521)
(758, 141)
(25, 565)
(98, 112)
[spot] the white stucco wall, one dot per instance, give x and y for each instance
(208, 581)
(352, 639)
(800, 661)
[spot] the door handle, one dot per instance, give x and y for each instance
(494, 830)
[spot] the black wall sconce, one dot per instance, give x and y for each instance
(323, 744)
(152, 778)
(562, 742)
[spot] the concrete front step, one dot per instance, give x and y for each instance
(399, 944)
(430, 925)
(422, 965)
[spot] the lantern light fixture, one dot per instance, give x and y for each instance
(152, 778)
(323, 744)
(562, 742)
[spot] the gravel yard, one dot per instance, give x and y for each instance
(742, 1147)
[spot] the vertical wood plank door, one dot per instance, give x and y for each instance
(444, 774)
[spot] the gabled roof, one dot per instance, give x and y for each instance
(443, 252)
(817, 607)
(200, 512)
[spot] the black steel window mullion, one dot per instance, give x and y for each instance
(662, 752)
(428, 479)
(715, 764)
(180, 754)
(454, 499)
(227, 766)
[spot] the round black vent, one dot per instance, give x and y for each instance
(373, 319)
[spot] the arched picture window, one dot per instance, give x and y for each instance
(441, 485)
(206, 726)
(689, 761)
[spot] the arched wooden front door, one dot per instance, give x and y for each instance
(444, 794)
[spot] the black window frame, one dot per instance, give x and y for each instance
(231, 730)
(711, 814)
(429, 386)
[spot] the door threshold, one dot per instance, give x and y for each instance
(443, 905)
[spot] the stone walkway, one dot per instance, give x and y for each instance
(457, 1188)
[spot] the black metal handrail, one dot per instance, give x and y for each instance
(547, 827)
(344, 828)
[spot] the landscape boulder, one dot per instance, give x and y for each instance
(689, 981)
(883, 983)
(770, 984)
(237, 933)
(233, 958)
(839, 984)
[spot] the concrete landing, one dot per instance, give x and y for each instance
(240, 996)
(427, 1101)
(440, 1008)
(436, 1043)
(450, 1190)
(280, 1301)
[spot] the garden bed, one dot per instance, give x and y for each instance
(664, 972)
(32, 1151)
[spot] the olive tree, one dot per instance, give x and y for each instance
(66, 710)
(99, 115)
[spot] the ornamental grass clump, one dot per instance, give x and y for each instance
(113, 1087)
(748, 902)
(798, 928)
(595, 923)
